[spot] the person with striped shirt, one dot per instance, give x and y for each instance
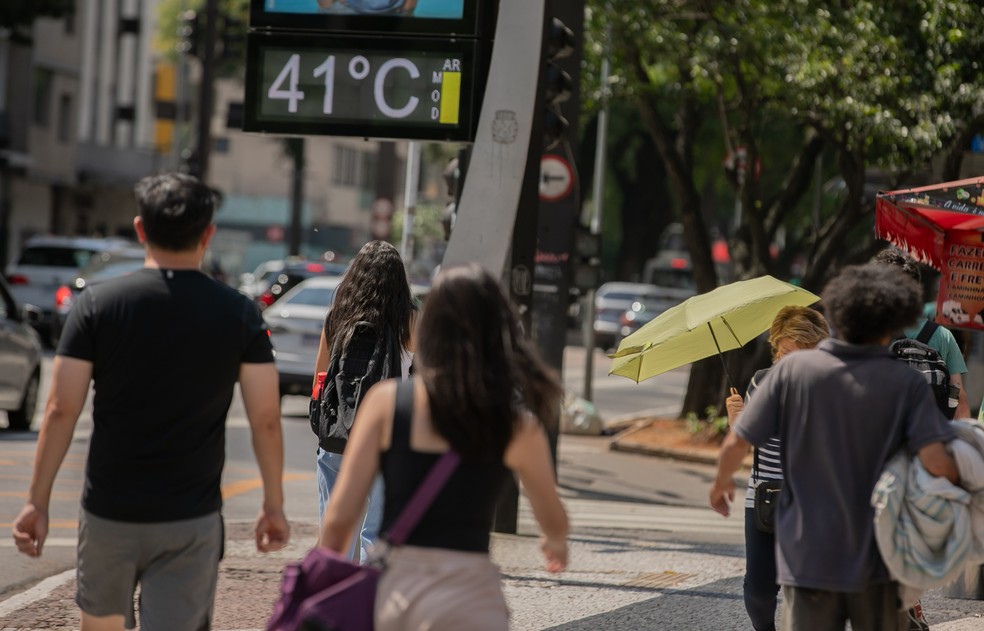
(793, 328)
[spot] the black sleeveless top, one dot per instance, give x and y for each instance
(461, 516)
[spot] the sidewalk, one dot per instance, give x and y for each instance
(616, 581)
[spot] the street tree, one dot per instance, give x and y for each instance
(865, 86)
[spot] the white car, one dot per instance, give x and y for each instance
(611, 301)
(48, 262)
(295, 323)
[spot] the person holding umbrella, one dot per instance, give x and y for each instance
(841, 411)
(793, 328)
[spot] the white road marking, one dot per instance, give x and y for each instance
(36, 593)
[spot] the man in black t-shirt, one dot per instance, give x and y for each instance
(164, 348)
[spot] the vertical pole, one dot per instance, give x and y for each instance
(410, 199)
(598, 186)
(179, 101)
(205, 92)
(296, 195)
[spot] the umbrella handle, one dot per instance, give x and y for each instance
(721, 355)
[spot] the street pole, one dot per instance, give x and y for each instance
(205, 92)
(296, 195)
(599, 192)
(179, 102)
(410, 199)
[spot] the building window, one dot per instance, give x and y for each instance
(346, 166)
(65, 118)
(42, 96)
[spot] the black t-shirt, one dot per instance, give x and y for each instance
(166, 348)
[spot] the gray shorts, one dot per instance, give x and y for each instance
(175, 563)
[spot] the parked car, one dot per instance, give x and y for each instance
(20, 360)
(648, 306)
(277, 280)
(102, 266)
(613, 300)
(295, 323)
(48, 262)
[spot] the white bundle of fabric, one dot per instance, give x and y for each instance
(926, 528)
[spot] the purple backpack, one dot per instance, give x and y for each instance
(327, 591)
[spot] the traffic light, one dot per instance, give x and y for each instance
(557, 83)
(190, 33)
(587, 259)
(232, 38)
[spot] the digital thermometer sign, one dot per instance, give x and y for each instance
(361, 86)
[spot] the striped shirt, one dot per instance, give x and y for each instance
(767, 466)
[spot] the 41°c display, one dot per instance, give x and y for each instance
(400, 88)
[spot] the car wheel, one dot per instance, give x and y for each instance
(22, 417)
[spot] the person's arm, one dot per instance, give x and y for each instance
(528, 455)
(408, 6)
(69, 387)
(963, 406)
(359, 467)
(259, 385)
(324, 4)
(939, 462)
(735, 403)
(733, 451)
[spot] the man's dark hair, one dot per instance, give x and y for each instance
(901, 260)
(867, 302)
(175, 209)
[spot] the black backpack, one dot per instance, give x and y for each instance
(927, 360)
(368, 356)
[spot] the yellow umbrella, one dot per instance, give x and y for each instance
(720, 320)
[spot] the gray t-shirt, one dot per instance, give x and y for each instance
(841, 411)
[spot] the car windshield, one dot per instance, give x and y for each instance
(113, 269)
(617, 295)
(55, 256)
(313, 296)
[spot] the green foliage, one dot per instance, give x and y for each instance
(426, 223)
(711, 426)
(884, 84)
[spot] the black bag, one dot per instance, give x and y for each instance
(366, 357)
(928, 361)
(766, 500)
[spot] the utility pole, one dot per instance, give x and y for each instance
(206, 91)
(598, 187)
(295, 147)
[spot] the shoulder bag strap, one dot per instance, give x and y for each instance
(439, 474)
(926, 333)
(755, 464)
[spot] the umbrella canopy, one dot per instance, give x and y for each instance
(922, 220)
(720, 320)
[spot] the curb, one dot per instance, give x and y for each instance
(623, 442)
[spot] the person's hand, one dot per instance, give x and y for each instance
(30, 530)
(408, 6)
(272, 531)
(734, 404)
(722, 496)
(555, 551)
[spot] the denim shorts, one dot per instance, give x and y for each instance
(175, 563)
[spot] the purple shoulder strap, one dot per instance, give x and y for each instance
(436, 478)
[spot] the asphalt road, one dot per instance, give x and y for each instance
(608, 489)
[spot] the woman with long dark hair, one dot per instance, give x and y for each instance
(480, 390)
(374, 289)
